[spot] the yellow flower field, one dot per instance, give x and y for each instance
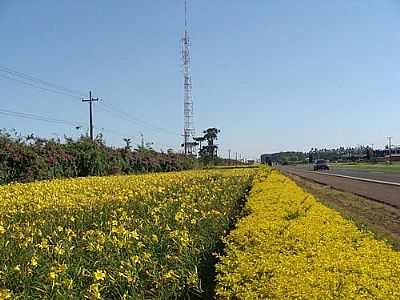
(290, 246)
(119, 237)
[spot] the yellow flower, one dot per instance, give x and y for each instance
(94, 291)
(292, 247)
(34, 261)
(154, 237)
(193, 278)
(134, 234)
(59, 250)
(52, 275)
(17, 268)
(5, 294)
(60, 268)
(170, 274)
(179, 216)
(68, 283)
(135, 259)
(100, 275)
(145, 209)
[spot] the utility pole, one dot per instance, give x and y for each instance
(236, 158)
(229, 156)
(373, 152)
(390, 149)
(90, 100)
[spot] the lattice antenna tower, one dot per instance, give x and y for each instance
(188, 131)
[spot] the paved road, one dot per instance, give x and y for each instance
(388, 194)
(375, 175)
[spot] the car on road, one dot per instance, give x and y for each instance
(321, 164)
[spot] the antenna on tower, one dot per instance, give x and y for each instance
(188, 131)
(186, 18)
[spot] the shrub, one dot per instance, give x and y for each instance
(32, 158)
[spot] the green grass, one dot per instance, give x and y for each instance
(384, 167)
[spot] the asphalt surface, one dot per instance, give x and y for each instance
(384, 193)
(375, 175)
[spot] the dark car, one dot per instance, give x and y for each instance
(321, 164)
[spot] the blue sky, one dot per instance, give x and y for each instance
(272, 75)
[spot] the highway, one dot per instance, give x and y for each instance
(379, 186)
(375, 175)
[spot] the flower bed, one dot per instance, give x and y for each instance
(114, 237)
(290, 246)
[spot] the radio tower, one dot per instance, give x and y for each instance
(188, 131)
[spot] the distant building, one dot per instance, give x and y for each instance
(384, 154)
(265, 158)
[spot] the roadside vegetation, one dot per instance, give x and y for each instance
(381, 219)
(25, 159)
(31, 158)
(290, 246)
(118, 237)
(378, 167)
(155, 236)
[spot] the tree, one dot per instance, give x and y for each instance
(128, 144)
(209, 152)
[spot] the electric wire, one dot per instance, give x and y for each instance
(40, 81)
(36, 117)
(55, 88)
(45, 85)
(134, 120)
(37, 86)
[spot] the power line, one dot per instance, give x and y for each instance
(128, 117)
(39, 118)
(68, 92)
(45, 85)
(77, 125)
(36, 117)
(40, 81)
(37, 86)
